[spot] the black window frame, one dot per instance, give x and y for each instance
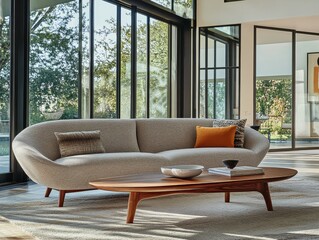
(230, 66)
(20, 49)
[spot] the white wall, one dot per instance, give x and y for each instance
(247, 72)
(274, 59)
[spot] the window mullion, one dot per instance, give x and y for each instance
(118, 61)
(80, 60)
(215, 90)
(206, 75)
(169, 84)
(133, 62)
(148, 70)
(91, 59)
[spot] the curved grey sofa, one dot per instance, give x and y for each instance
(132, 146)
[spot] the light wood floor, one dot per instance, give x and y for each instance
(306, 162)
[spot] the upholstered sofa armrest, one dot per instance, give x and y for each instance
(39, 168)
(256, 142)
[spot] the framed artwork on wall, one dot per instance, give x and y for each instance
(313, 76)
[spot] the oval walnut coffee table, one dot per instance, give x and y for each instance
(152, 185)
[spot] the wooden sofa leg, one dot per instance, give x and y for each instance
(61, 197)
(47, 192)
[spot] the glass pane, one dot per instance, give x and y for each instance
(307, 98)
(105, 59)
(159, 66)
(274, 86)
(220, 54)
(237, 55)
(232, 31)
(210, 94)
(174, 72)
(184, 8)
(141, 78)
(126, 63)
(202, 51)
(211, 52)
(54, 59)
(5, 43)
(202, 97)
(235, 93)
(220, 94)
(164, 3)
(85, 59)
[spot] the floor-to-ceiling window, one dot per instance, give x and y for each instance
(100, 59)
(5, 75)
(219, 72)
(287, 92)
(87, 59)
(113, 93)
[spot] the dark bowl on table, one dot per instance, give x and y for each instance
(231, 163)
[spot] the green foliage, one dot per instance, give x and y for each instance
(4, 148)
(219, 100)
(4, 68)
(53, 61)
(274, 100)
(273, 97)
(54, 65)
(158, 68)
(105, 71)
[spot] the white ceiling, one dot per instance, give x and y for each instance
(302, 15)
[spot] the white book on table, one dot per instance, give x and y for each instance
(237, 171)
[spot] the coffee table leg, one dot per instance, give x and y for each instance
(264, 190)
(133, 200)
(227, 197)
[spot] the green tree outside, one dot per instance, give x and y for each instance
(274, 100)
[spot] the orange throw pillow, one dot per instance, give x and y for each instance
(215, 136)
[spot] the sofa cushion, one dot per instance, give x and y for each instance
(211, 157)
(156, 135)
(82, 142)
(215, 137)
(240, 131)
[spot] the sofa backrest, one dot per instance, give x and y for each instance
(116, 135)
(156, 135)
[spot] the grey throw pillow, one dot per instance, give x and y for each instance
(83, 142)
(240, 129)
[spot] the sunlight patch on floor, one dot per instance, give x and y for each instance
(249, 236)
(152, 214)
(314, 204)
(313, 232)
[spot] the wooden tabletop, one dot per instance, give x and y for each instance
(149, 182)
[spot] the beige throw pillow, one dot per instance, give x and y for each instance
(83, 142)
(240, 129)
